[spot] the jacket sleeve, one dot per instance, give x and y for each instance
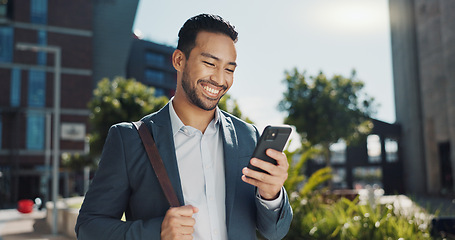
(107, 199)
(274, 224)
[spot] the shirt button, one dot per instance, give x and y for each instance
(211, 198)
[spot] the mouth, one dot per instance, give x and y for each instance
(211, 90)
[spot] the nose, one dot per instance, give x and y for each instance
(218, 77)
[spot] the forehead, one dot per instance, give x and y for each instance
(217, 44)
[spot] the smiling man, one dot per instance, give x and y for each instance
(205, 152)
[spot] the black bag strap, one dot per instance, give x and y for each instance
(157, 163)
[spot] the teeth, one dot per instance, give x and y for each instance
(211, 90)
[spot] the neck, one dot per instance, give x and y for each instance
(192, 115)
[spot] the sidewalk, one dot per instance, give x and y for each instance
(32, 226)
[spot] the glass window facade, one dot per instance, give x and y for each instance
(391, 149)
(15, 90)
(6, 44)
(36, 88)
(35, 131)
(42, 40)
(153, 77)
(154, 59)
(338, 152)
(1, 132)
(374, 148)
(159, 92)
(38, 11)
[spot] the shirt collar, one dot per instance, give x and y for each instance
(177, 124)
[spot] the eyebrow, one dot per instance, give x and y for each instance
(217, 58)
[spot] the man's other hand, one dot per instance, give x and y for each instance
(179, 223)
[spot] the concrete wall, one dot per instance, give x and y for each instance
(112, 35)
(407, 93)
(423, 46)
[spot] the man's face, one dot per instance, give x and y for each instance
(209, 70)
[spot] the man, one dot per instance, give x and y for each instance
(205, 152)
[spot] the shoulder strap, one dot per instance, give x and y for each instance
(157, 163)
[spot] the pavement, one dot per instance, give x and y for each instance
(32, 226)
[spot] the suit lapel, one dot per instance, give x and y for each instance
(232, 174)
(162, 133)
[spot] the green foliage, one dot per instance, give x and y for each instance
(318, 216)
(295, 171)
(117, 101)
(325, 110)
(345, 219)
(228, 104)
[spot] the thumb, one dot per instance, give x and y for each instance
(195, 209)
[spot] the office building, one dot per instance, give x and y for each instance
(27, 89)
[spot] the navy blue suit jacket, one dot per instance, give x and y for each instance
(126, 183)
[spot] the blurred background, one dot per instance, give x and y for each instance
(55, 107)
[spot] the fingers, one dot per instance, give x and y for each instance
(269, 185)
(280, 157)
(178, 223)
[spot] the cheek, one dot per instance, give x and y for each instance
(229, 80)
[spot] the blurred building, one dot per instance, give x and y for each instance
(95, 37)
(423, 51)
(150, 63)
(27, 80)
(374, 161)
(112, 37)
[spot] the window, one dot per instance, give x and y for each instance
(35, 131)
(364, 176)
(36, 88)
(153, 77)
(1, 135)
(159, 92)
(15, 90)
(154, 59)
(3, 9)
(6, 44)
(374, 149)
(38, 11)
(391, 150)
(6, 9)
(338, 152)
(339, 178)
(42, 40)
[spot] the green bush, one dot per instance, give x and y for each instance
(319, 216)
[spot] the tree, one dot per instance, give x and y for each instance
(228, 104)
(326, 110)
(117, 101)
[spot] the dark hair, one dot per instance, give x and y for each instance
(203, 22)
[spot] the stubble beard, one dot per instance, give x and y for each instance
(192, 95)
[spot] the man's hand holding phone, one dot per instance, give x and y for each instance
(269, 184)
(268, 167)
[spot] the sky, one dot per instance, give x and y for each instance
(332, 36)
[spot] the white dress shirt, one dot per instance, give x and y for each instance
(200, 162)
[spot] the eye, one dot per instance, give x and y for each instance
(229, 70)
(208, 63)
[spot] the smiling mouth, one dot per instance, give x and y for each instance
(211, 90)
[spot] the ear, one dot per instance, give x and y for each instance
(178, 60)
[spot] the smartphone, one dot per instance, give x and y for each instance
(274, 137)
